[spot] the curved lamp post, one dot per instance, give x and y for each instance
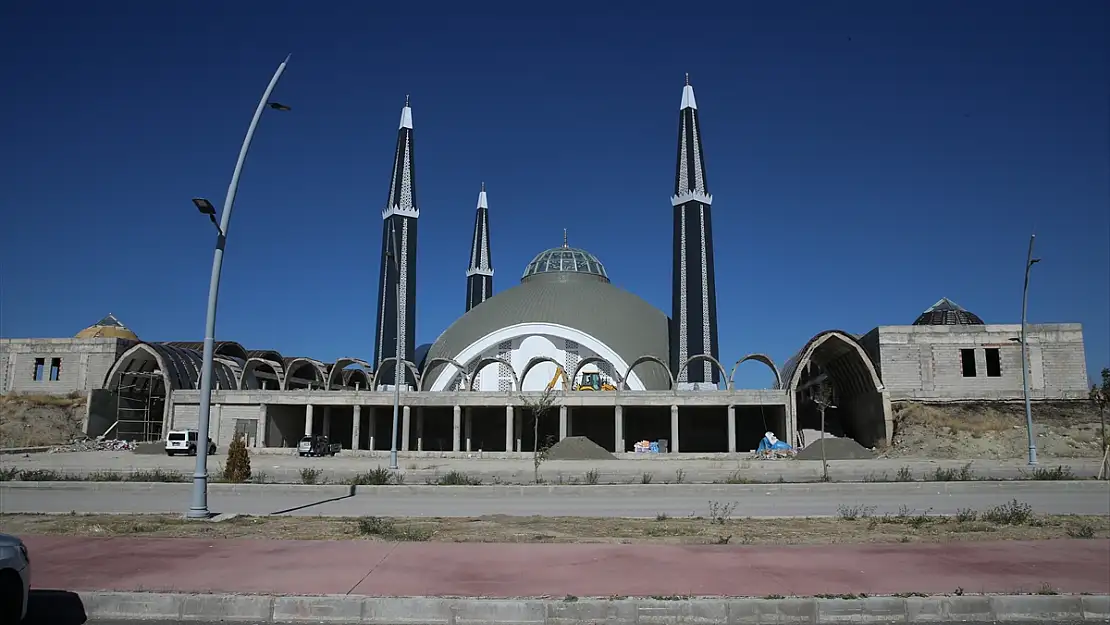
(1029, 262)
(199, 507)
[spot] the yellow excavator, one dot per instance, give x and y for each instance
(591, 381)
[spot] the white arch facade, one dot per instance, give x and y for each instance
(528, 341)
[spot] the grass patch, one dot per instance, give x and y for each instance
(377, 477)
(909, 527)
(457, 478)
(942, 474)
(312, 475)
(154, 475)
(1047, 474)
(592, 477)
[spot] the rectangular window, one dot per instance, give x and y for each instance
(36, 373)
(55, 369)
(994, 363)
(967, 362)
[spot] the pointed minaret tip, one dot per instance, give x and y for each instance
(406, 115)
(565, 239)
(688, 101)
(482, 197)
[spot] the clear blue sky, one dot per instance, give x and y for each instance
(866, 159)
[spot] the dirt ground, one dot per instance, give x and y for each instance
(39, 420)
(719, 528)
(994, 431)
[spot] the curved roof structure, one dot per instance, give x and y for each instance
(947, 313)
(230, 349)
(565, 260)
(178, 367)
(108, 327)
(842, 356)
(584, 301)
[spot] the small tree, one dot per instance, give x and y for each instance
(1100, 395)
(822, 395)
(539, 407)
(238, 467)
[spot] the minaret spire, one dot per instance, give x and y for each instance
(397, 280)
(694, 292)
(479, 275)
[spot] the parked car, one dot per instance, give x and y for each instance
(185, 442)
(15, 579)
(317, 446)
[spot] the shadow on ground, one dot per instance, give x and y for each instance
(55, 607)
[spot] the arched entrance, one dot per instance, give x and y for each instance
(862, 410)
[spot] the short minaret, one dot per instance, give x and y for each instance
(398, 269)
(479, 274)
(694, 292)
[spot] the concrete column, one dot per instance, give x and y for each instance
(509, 428)
(468, 428)
(674, 430)
(732, 429)
(618, 429)
(563, 422)
(356, 425)
(406, 425)
(327, 421)
(518, 428)
(419, 429)
(371, 428)
(308, 420)
(456, 428)
(263, 427)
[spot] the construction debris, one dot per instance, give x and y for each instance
(88, 444)
(578, 448)
(835, 449)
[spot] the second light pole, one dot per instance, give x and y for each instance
(1029, 262)
(395, 257)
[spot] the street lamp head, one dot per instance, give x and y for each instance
(277, 106)
(1034, 261)
(204, 206)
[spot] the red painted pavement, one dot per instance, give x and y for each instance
(515, 570)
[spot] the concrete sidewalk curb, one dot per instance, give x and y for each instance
(571, 611)
(625, 490)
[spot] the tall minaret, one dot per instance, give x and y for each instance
(399, 220)
(694, 292)
(479, 274)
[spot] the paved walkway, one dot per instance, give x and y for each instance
(508, 570)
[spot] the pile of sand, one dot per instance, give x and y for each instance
(578, 448)
(835, 449)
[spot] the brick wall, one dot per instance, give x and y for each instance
(926, 362)
(84, 364)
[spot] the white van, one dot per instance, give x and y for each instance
(185, 442)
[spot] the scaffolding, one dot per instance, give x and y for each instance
(134, 407)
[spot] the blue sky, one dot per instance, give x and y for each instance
(866, 159)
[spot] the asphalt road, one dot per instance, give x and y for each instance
(772, 500)
(98, 622)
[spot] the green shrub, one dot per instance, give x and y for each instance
(238, 467)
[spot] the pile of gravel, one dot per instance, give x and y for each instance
(835, 449)
(578, 448)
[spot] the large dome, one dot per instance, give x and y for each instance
(108, 327)
(582, 300)
(565, 260)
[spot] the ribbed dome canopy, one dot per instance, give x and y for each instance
(947, 313)
(565, 259)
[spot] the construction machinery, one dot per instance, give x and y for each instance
(555, 378)
(592, 380)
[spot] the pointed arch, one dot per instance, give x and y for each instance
(249, 380)
(489, 360)
(335, 374)
(641, 360)
(763, 358)
(461, 370)
(351, 377)
(293, 366)
(592, 360)
(179, 367)
(537, 360)
(408, 365)
(839, 352)
(706, 357)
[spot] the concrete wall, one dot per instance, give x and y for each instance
(224, 418)
(100, 412)
(924, 362)
(84, 364)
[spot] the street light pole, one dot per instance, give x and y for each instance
(397, 360)
(199, 507)
(1029, 261)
